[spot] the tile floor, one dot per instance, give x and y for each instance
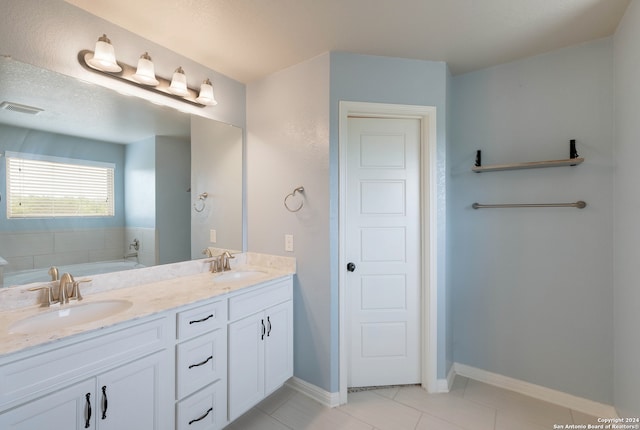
(470, 405)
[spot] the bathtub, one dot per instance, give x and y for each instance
(77, 270)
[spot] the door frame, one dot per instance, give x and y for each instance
(428, 228)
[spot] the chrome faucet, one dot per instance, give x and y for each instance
(207, 252)
(135, 245)
(219, 263)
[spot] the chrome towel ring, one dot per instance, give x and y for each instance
(201, 202)
(291, 195)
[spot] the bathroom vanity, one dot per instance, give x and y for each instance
(189, 352)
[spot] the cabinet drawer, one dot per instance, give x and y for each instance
(256, 301)
(38, 374)
(202, 319)
(200, 361)
(205, 410)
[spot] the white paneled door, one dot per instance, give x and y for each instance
(383, 250)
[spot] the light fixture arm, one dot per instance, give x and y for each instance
(126, 76)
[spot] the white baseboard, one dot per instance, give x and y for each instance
(444, 385)
(316, 393)
(537, 391)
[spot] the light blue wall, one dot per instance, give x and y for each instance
(288, 146)
(38, 142)
(140, 184)
(292, 140)
(173, 200)
(627, 206)
(365, 78)
(532, 294)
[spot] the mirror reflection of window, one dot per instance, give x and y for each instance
(51, 187)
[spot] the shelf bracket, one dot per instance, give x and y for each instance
(573, 153)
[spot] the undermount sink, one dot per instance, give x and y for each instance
(69, 315)
(240, 275)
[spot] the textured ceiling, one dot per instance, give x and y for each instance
(248, 39)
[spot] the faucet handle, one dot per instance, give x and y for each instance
(53, 272)
(48, 298)
(226, 256)
(75, 291)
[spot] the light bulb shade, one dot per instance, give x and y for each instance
(179, 83)
(104, 57)
(206, 96)
(145, 73)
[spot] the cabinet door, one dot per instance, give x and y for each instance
(278, 346)
(131, 396)
(66, 409)
(246, 364)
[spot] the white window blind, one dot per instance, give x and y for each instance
(50, 187)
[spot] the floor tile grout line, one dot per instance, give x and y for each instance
(337, 409)
(373, 427)
(499, 409)
(516, 397)
(389, 400)
(495, 410)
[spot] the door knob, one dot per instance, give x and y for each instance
(351, 267)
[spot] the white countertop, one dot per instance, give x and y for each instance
(148, 298)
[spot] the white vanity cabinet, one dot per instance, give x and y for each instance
(197, 366)
(113, 380)
(260, 344)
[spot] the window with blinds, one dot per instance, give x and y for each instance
(52, 187)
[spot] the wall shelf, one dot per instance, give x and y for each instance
(530, 165)
(574, 160)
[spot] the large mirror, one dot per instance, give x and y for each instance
(177, 185)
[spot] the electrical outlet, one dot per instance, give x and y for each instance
(288, 242)
(212, 236)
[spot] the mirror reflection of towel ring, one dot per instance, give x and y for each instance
(201, 198)
(286, 204)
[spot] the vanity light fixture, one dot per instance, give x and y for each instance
(103, 61)
(104, 57)
(206, 94)
(179, 83)
(145, 73)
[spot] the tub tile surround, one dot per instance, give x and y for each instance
(28, 250)
(150, 289)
